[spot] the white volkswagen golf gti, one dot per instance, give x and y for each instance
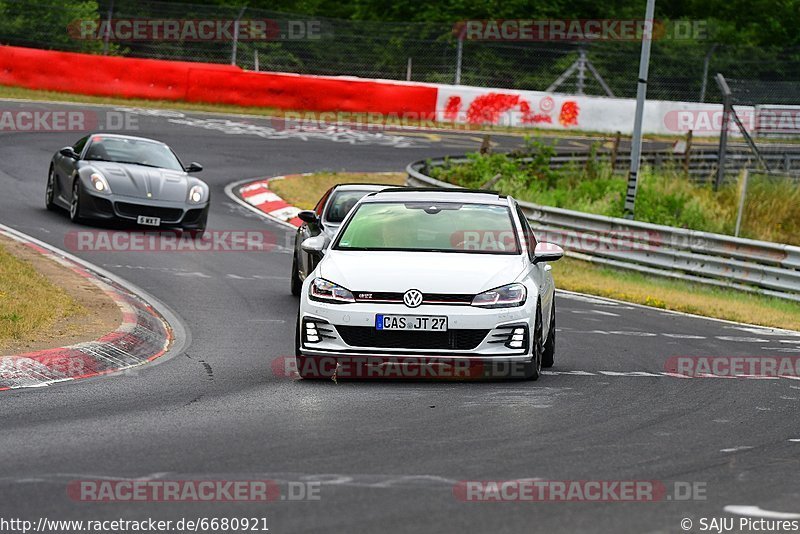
(429, 275)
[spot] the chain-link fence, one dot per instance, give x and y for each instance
(680, 69)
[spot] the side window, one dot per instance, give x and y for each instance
(321, 204)
(78, 147)
(530, 239)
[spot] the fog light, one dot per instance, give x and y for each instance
(312, 336)
(518, 338)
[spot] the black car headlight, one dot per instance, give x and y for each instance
(326, 291)
(502, 297)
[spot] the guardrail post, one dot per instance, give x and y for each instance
(459, 54)
(742, 195)
(723, 134)
(641, 94)
(235, 44)
(108, 27)
(687, 155)
(615, 151)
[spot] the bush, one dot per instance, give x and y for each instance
(665, 196)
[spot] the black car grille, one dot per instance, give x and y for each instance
(135, 210)
(363, 336)
(427, 298)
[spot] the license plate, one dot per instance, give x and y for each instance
(411, 322)
(148, 221)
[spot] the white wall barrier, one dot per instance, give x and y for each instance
(537, 109)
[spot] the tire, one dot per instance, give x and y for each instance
(75, 202)
(533, 369)
(50, 191)
(549, 355)
(297, 284)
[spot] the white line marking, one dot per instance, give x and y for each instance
(755, 511)
(632, 333)
(629, 373)
(736, 449)
(597, 312)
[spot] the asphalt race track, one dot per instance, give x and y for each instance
(388, 454)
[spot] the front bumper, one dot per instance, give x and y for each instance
(348, 330)
(107, 207)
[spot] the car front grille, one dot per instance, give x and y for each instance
(427, 298)
(363, 336)
(135, 210)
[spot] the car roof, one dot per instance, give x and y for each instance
(362, 187)
(432, 194)
(121, 136)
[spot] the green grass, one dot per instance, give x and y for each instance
(28, 301)
(305, 191)
(772, 209)
(677, 295)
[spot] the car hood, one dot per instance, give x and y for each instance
(430, 272)
(137, 181)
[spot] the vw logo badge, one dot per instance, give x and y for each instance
(412, 298)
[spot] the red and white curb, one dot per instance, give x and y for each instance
(258, 195)
(143, 335)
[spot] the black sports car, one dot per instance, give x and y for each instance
(126, 178)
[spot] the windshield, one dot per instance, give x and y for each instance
(136, 151)
(430, 226)
(341, 204)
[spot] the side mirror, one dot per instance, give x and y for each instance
(547, 252)
(68, 152)
(194, 167)
(316, 244)
(308, 216)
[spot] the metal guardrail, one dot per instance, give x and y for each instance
(701, 163)
(715, 259)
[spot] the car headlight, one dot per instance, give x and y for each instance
(326, 291)
(502, 297)
(196, 194)
(99, 183)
